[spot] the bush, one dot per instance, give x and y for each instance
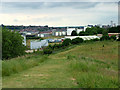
(77, 40)
(58, 46)
(96, 39)
(105, 37)
(34, 38)
(47, 51)
(113, 37)
(66, 42)
(12, 44)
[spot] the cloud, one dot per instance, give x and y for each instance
(39, 5)
(58, 14)
(61, 1)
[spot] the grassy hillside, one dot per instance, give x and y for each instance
(91, 65)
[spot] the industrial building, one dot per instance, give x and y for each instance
(56, 32)
(77, 29)
(83, 37)
(36, 44)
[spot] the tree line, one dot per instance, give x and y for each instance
(96, 30)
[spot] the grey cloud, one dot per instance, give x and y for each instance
(40, 5)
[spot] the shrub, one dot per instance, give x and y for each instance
(96, 39)
(77, 40)
(105, 37)
(12, 44)
(113, 37)
(82, 33)
(47, 51)
(66, 42)
(34, 38)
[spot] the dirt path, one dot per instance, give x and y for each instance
(50, 74)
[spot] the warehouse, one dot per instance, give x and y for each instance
(83, 37)
(77, 29)
(56, 32)
(38, 44)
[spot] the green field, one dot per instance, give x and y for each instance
(87, 65)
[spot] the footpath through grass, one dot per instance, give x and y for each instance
(91, 65)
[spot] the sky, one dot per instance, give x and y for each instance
(61, 13)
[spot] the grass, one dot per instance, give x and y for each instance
(88, 65)
(17, 65)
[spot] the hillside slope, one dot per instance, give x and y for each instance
(91, 65)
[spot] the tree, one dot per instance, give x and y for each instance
(66, 42)
(105, 37)
(82, 33)
(105, 32)
(74, 33)
(11, 44)
(77, 40)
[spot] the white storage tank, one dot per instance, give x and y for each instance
(56, 33)
(60, 33)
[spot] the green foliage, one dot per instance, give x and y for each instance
(105, 32)
(113, 37)
(93, 31)
(82, 33)
(74, 33)
(12, 44)
(66, 42)
(77, 40)
(105, 37)
(114, 29)
(94, 80)
(19, 64)
(34, 38)
(87, 72)
(47, 51)
(96, 39)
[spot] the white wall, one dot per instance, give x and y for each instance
(69, 30)
(63, 33)
(38, 44)
(60, 33)
(56, 33)
(41, 35)
(79, 30)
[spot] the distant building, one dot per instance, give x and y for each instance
(77, 29)
(44, 34)
(57, 32)
(111, 34)
(83, 37)
(38, 44)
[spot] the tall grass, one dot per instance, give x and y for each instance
(19, 64)
(88, 73)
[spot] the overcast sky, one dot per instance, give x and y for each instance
(58, 13)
